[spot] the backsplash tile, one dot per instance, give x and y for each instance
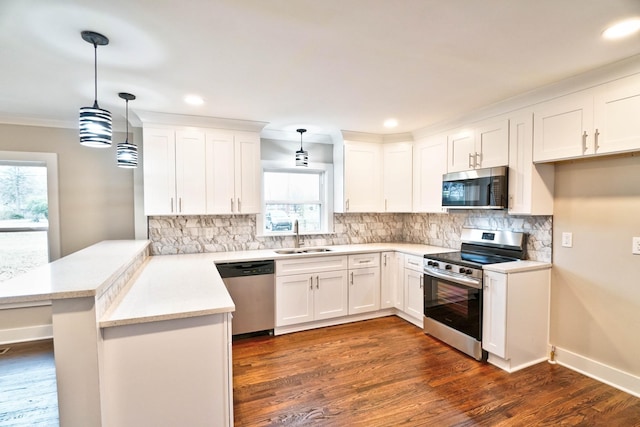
(209, 233)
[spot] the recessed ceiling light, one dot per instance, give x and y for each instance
(193, 100)
(622, 29)
(390, 123)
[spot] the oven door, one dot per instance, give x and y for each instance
(454, 304)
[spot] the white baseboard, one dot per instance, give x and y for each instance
(614, 377)
(280, 330)
(31, 333)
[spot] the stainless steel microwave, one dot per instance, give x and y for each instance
(476, 189)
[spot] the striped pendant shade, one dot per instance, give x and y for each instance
(95, 127)
(127, 155)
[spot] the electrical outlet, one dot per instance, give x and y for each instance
(635, 249)
(567, 240)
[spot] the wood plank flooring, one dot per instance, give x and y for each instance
(382, 372)
(386, 372)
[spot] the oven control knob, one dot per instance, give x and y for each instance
(447, 267)
(462, 270)
(469, 271)
(435, 264)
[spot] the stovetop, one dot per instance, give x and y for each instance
(466, 259)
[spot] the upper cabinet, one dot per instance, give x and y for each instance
(174, 172)
(591, 122)
(530, 185)
(362, 177)
(397, 159)
(429, 164)
(200, 171)
(377, 177)
(233, 172)
(486, 146)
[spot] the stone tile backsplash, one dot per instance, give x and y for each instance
(216, 233)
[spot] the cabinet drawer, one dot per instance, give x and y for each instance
(413, 262)
(319, 264)
(364, 260)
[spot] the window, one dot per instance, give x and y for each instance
(291, 194)
(29, 232)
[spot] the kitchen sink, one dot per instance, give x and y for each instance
(301, 251)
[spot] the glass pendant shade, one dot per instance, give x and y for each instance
(95, 123)
(95, 127)
(302, 157)
(127, 153)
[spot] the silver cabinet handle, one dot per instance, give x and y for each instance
(179, 204)
(172, 205)
(470, 162)
(311, 282)
(239, 205)
(352, 278)
(384, 259)
(232, 204)
(317, 282)
(347, 205)
(584, 141)
(385, 204)
(478, 156)
(595, 139)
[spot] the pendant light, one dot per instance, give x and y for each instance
(95, 123)
(302, 157)
(127, 153)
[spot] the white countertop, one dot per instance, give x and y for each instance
(178, 286)
(517, 266)
(171, 287)
(81, 274)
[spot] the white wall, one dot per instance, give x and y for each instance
(595, 291)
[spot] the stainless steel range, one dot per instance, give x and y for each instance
(453, 286)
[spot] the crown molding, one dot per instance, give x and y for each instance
(167, 119)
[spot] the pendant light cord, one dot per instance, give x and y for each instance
(126, 137)
(95, 75)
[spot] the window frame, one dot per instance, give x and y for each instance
(326, 195)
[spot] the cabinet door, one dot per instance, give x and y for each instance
(413, 293)
(220, 157)
(530, 185)
(494, 316)
(364, 290)
(492, 144)
(397, 176)
(159, 171)
(562, 128)
(362, 177)
(429, 164)
(616, 113)
(461, 151)
(248, 172)
(389, 282)
(331, 295)
(294, 299)
(190, 173)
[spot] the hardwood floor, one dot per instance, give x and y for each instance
(382, 372)
(28, 395)
(386, 372)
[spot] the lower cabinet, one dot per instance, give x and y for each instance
(309, 289)
(364, 283)
(414, 288)
(515, 318)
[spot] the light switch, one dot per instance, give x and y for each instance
(567, 240)
(636, 246)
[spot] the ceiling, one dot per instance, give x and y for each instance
(326, 65)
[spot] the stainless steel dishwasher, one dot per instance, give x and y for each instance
(252, 288)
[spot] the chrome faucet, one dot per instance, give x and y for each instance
(296, 230)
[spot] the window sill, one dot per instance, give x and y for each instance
(317, 233)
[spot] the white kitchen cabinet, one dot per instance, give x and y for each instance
(362, 177)
(515, 317)
(429, 164)
(309, 289)
(486, 146)
(397, 176)
(174, 172)
(596, 121)
(391, 280)
(414, 288)
(530, 185)
(364, 283)
(233, 172)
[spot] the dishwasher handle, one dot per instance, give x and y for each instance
(241, 269)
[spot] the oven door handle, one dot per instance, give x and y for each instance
(472, 283)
